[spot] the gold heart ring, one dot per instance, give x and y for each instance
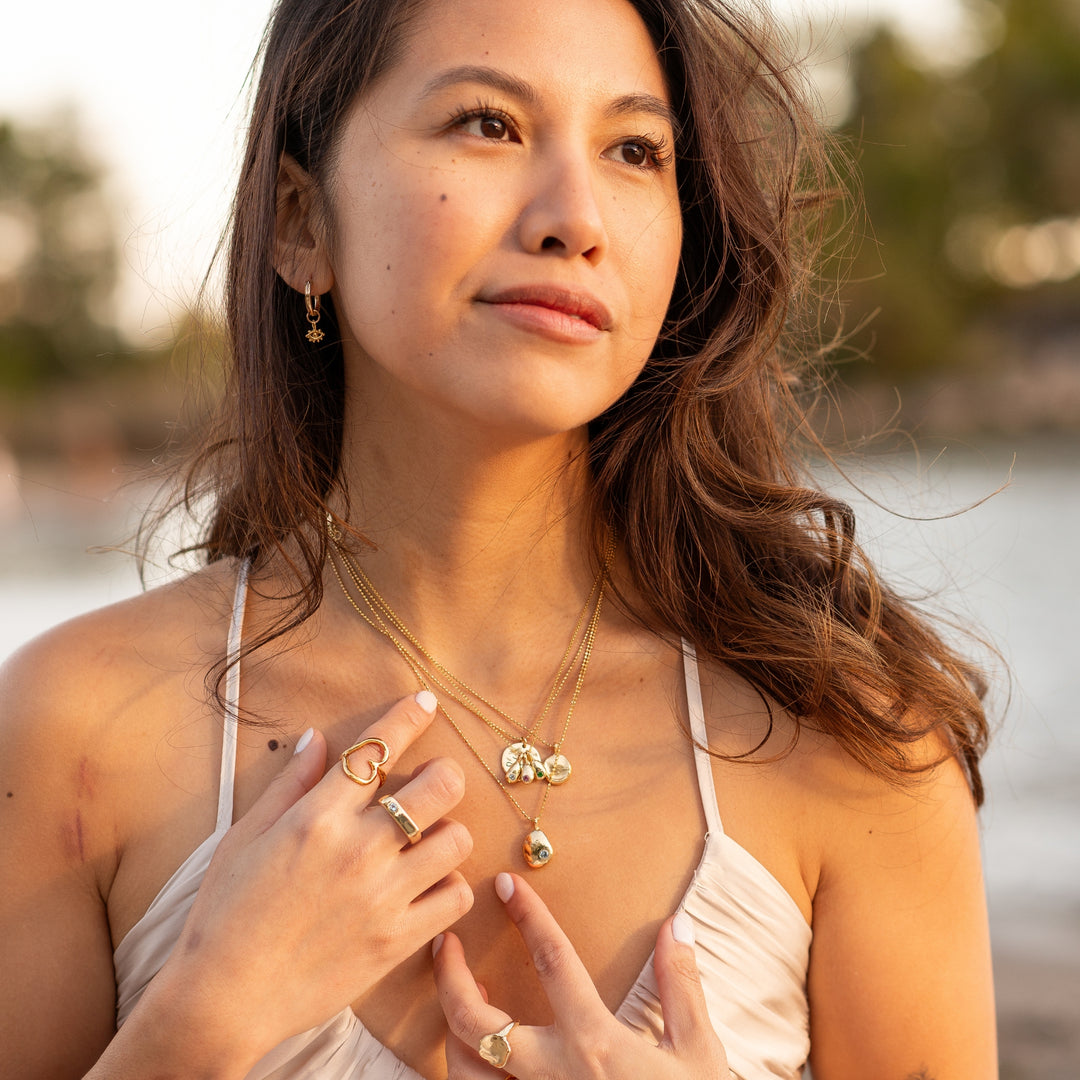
(377, 771)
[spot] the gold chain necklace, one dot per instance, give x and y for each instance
(522, 761)
(520, 756)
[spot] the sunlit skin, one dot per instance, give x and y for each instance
(505, 219)
(500, 233)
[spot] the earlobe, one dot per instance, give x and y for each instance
(300, 254)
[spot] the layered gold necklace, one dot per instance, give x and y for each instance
(521, 760)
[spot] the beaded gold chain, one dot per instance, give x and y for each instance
(520, 760)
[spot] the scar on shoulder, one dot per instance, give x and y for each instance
(74, 838)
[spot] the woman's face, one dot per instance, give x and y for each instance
(506, 227)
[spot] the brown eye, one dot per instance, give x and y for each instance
(634, 154)
(491, 127)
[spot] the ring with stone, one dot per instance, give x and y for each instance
(401, 816)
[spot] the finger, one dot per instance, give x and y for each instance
(424, 800)
(688, 1030)
(446, 845)
(439, 906)
(396, 729)
(296, 779)
(566, 982)
(469, 1016)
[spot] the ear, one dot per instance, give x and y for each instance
(300, 253)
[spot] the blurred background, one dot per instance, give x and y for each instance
(119, 135)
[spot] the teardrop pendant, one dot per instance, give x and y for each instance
(537, 849)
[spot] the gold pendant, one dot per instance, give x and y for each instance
(558, 769)
(523, 762)
(537, 849)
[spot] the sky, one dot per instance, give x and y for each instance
(159, 93)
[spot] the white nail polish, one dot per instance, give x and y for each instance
(302, 742)
(427, 701)
(504, 887)
(436, 944)
(682, 929)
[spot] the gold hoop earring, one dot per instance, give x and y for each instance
(311, 303)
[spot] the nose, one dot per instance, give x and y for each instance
(563, 215)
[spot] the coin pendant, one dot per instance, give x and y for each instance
(522, 762)
(558, 769)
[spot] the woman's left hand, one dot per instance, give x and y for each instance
(585, 1041)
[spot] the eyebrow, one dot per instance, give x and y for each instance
(526, 93)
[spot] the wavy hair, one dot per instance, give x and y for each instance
(698, 467)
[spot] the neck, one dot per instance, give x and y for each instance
(477, 542)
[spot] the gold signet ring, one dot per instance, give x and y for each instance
(495, 1049)
(401, 816)
(376, 767)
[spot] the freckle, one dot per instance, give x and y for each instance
(387, 266)
(442, 198)
(273, 744)
(10, 793)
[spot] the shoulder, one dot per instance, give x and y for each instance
(887, 872)
(76, 676)
(83, 699)
(790, 779)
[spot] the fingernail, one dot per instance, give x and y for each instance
(682, 929)
(302, 742)
(504, 887)
(427, 701)
(436, 944)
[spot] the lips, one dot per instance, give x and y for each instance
(571, 302)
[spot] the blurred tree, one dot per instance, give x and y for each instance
(58, 260)
(971, 177)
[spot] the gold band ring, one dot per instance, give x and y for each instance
(495, 1048)
(377, 770)
(401, 816)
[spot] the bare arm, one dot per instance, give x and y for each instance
(900, 980)
(57, 995)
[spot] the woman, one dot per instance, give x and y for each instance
(505, 289)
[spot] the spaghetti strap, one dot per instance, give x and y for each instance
(702, 759)
(232, 702)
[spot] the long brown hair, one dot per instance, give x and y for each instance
(695, 467)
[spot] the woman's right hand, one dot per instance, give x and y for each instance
(311, 898)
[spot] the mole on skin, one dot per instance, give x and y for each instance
(273, 744)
